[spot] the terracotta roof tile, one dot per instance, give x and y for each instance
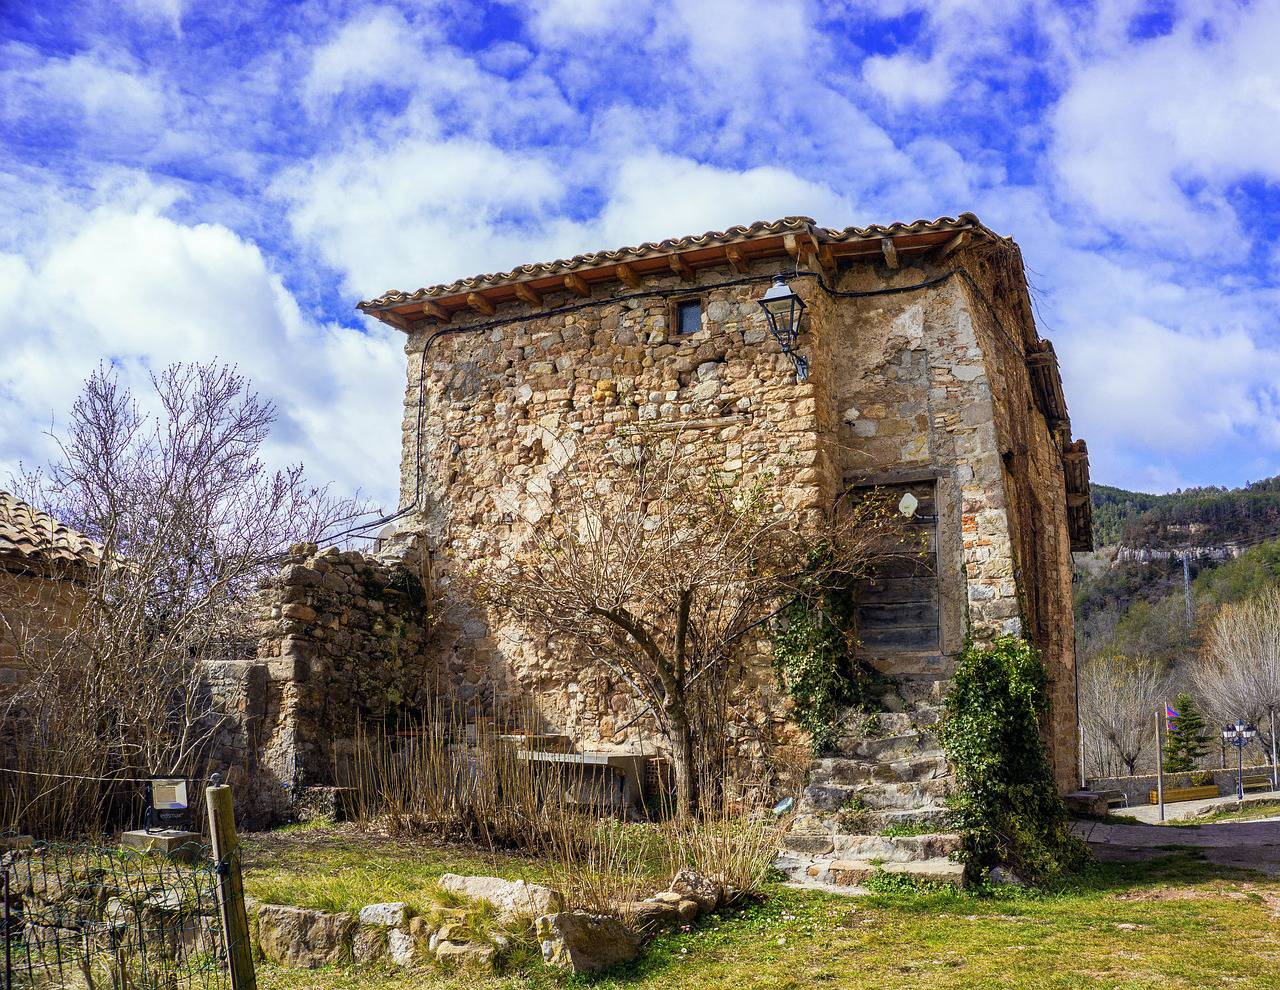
(28, 535)
(712, 238)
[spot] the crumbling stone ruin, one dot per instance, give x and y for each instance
(917, 370)
(342, 636)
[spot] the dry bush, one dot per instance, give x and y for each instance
(187, 519)
(1238, 674)
(1120, 700)
(426, 780)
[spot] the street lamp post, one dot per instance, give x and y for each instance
(1239, 735)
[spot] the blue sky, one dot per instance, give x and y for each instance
(185, 180)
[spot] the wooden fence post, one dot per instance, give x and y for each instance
(235, 921)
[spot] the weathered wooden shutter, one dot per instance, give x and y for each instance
(898, 604)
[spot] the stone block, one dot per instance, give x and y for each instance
(394, 914)
(467, 955)
(512, 899)
(304, 938)
(175, 843)
(699, 888)
(585, 943)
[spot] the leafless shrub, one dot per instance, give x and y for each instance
(188, 519)
(440, 778)
(652, 567)
(1120, 699)
(1238, 674)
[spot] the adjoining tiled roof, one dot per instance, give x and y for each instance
(672, 245)
(29, 536)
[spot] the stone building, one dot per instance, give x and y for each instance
(43, 565)
(925, 374)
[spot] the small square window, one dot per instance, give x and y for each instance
(688, 316)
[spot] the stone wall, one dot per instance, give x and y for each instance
(342, 638)
(922, 384)
(1138, 789)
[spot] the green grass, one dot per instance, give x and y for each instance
(1175, 922)
(1253, 812)
(339, 869)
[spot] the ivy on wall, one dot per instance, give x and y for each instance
(815, 655)
(1007, 806)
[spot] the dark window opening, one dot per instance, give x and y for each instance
(688, 316)
(898, 603)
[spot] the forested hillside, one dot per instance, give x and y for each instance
(1192, 516)
(1138, 608)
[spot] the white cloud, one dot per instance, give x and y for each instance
(421, 209)
(376, 46)
(134, 287)
(1154, 138)
(652, 196)
(903, 80)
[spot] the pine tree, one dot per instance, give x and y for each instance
(1186, 743)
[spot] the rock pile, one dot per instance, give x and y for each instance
(577, 941)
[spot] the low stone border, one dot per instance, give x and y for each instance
(573, 940)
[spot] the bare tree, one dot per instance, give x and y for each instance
(187, 519)
(647, 565)
(1119, 701)
(1238, 674)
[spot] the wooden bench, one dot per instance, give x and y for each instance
(1257, 782)
(1175, 794)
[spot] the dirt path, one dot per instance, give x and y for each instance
(1249, 845)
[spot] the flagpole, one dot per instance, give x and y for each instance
(1160, 761)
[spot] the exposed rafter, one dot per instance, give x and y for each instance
(890, 252)
(436, 312)
(627, 276)
(576, 285)
(480, 304)
(527, 293)
(733, 254)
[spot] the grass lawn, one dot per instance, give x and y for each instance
(1249, 813)
(1174, 922)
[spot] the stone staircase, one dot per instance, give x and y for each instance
(886, 773)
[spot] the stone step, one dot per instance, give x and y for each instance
(927, 765)
(852, 872)
(902, 745)
(874, 797)
(892, 849)
(934, 816)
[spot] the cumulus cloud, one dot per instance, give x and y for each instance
(133, 287)
(1155, 137)
(193, 197)
(904, 80)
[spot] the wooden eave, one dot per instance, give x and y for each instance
(442, 309)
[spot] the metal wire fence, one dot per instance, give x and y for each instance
(102, 918)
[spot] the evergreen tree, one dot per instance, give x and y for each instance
(1186, 743)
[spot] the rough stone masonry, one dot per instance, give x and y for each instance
(925, 373)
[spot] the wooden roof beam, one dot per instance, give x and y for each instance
(436, 312)
(953, 245)
(890, 252)
(681, 268)
(733, 254)
(575, 285)
(480, 304)
(395, 319)
(627, 275)
(527, 293)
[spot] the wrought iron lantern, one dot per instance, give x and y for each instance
(1239, 735)
(783, 309)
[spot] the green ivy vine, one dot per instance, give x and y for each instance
(815, 656)
(1007, 807)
